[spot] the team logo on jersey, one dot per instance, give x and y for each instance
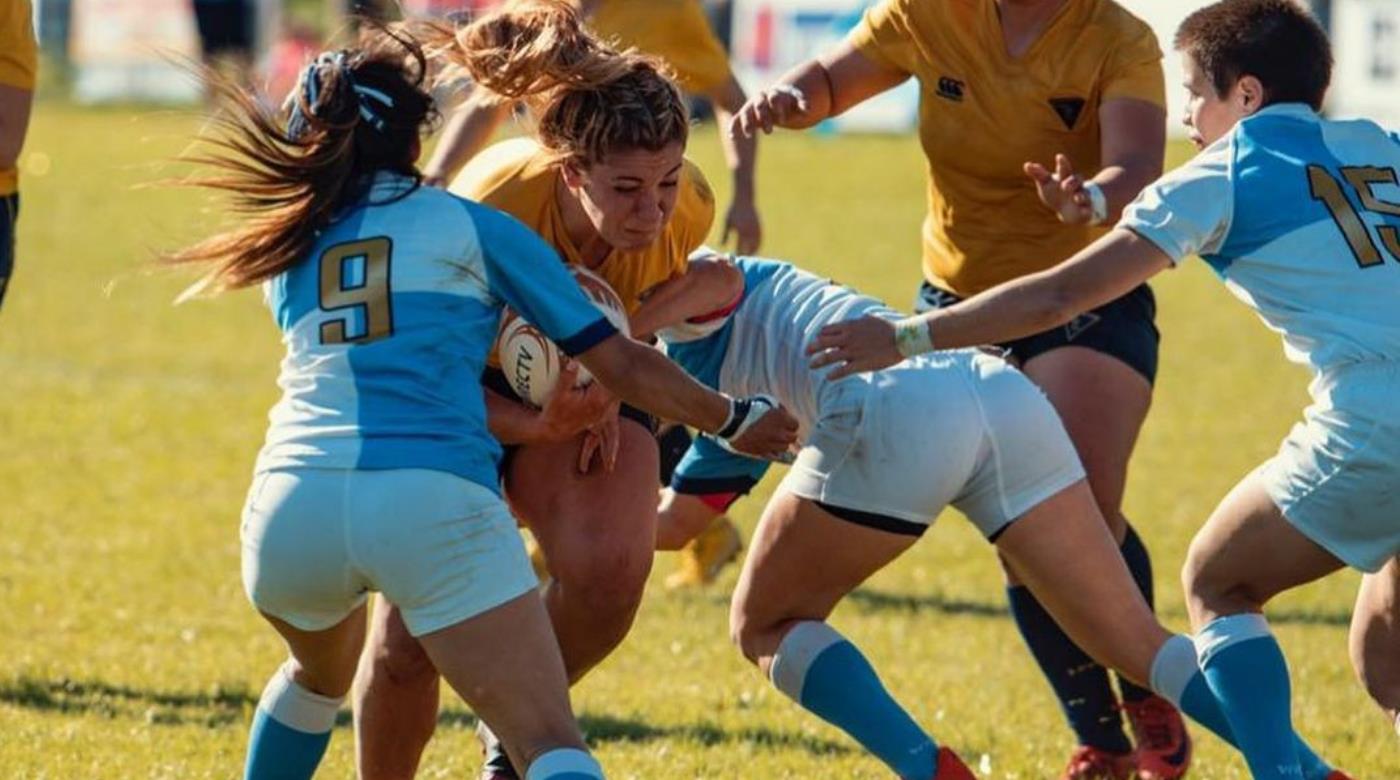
(1068, 109)
(951, 88)
(1076, 327)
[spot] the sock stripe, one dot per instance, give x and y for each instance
(295, 707)
(1174, 667)
(803, 643)
(1227, 631)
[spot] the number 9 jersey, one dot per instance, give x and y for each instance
(1300, 216)
(387, 324)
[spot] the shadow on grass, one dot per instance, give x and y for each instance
(602, 729)
(224, 706)
(871, 600)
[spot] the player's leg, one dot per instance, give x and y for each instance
(778, 619)
(1375, 638)
(505, 664)
(1246, 553)
(1097, 372)
(297, 710)
(297, 572)
(598, 533)
(396, 699)
(447, 552)
(693, 525)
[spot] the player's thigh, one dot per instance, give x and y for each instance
(393, 654)
(803, 560)
(505, 663)
(1375, 634)
(1102, 402)
(1246, 553)
(584, 522)
(325, 659)
(440, 547)
(1061, 549)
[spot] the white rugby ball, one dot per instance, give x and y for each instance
(530, 361)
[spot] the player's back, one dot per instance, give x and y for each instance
(387, 324)
(761, 349)
(1312, 241)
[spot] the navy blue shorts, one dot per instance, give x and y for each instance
(9, 213)
(1125, 329)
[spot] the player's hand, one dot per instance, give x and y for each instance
(1062, 191)
(570, 410)
(770, 435)
(601, 441)
(767, 110)
(853, 346)
(742, 222)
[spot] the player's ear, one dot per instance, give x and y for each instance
(1249, 94)
(573, 173)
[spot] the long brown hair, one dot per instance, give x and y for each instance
(354, 112)
(589, 99)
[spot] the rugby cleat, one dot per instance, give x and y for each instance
(1337, 774)
(950, 767)
(495, 764)
(702, 559)
(1163, 744)
(1090, 763)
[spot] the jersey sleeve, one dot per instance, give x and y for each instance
(19, 52)
(708, 469)
(699, 59)
(886, 35)
(1187, 211)
(1134, 70)
(527, 274)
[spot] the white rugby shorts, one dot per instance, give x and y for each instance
(962, 428)
(316, 541)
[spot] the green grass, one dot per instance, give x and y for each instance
(128, 429)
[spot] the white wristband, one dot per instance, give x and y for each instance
(1098, 203)
(912, 337)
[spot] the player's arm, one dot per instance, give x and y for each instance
(1104, 271)
(709, 285)
(468, 130)
(15, 105)
(567, 412)
(817, 89)
(740, 153)
(1132, 145)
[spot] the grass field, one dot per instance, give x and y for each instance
(128, 429)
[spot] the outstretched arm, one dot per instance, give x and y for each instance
(740, 153)
(1105, 270)
(815, 90)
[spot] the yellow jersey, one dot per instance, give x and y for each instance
(19, 61)
(677, 31)
(516, 177)
(983, 113)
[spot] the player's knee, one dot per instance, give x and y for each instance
(610, 586)
(401, 662)
(1212, 588)
(748, 631)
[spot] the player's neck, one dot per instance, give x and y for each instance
(1023, 21)
(587, 242)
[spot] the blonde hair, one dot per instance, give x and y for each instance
(588, 98)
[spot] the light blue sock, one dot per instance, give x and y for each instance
(564, 764)
(816, 667)
(1246, 671)
(1177, 676)
(291, 729)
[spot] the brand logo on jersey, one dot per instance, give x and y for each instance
(1076, 327)
(1068, 109)
(951, 88)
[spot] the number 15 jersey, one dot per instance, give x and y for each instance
(387, 324)
(1301, 218)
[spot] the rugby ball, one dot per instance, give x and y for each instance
(530, 361)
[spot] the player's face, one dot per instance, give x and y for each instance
(630, 196)
(1209, 116)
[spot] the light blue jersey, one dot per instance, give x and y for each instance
(387, 325)
(761, 350)
(1301, 218)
